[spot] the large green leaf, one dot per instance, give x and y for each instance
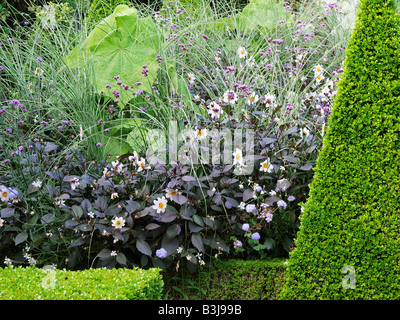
(263, 14)
(120, 45)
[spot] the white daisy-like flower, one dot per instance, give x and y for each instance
(169, 193)
(230, 97)
(113, 253)
(118, 222)
(74, 183)
(4, 194)
(319, 78)
(266, 166)
(114, 195)
(215, 110)
(134, 159)
(160, 204)
(201, 134)
(141, 164)
(270, 99)
(30, 87)
(318, 70)
(242, 52)
(106, 173)
(217, 56)
(238, 157)
(179, 250)
(38, 71)
(37, 183)
(191, 77)
(253, 98)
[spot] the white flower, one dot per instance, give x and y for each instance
(266, 166)
(59, 202)
(191, 77)
(91, 214)
(74, 183)
(114, 195)
(272, 193)
(238, 157)
(318, 70)
(170, 193)
(141, 164)
(230, 97)
(242, 52)
(118, 222)
(1, 222)
(105, 173)
(7, 261)
(217, 57)
(4, 194)
(215, 110)
(30, 87)
(113, 253)
(160, 204)
(270, 99)
(38, 71)
(134, 158)
(201, 133)
(253, 98)
(179, 250)
(319, 78)
(37, 183)
(242, 205)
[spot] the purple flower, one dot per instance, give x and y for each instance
(39, 59)
(161, 253)
(204, 36)
(251, 208)
(21, 148)
(237, 243)
(291, 198)
(98, 144)
(245, 227)
(282, 204)
(268, 217)
(255, 236)
(1, 68)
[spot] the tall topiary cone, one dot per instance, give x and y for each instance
(348, 245)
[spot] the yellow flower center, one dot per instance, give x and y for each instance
(238, 156)
(173, 193)
(5, 194)
(265, 165)
(161, 205)
(118, 222)
(242, 52)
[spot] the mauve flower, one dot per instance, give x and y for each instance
(161, 253)
(245, 227)
(255, 236)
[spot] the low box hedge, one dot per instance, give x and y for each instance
(32, 283)
(228, 280)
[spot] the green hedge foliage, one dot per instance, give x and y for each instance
(348, 243)
(31, 283)
(228, 280)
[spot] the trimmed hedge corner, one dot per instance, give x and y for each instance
(228, 280)
(31, 283)
(348, 243)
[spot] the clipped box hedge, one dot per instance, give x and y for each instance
(31, 283)
(228, 280)
(349, 238)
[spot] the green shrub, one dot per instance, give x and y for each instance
(31, 283)
(351, 220)
(229, 280)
